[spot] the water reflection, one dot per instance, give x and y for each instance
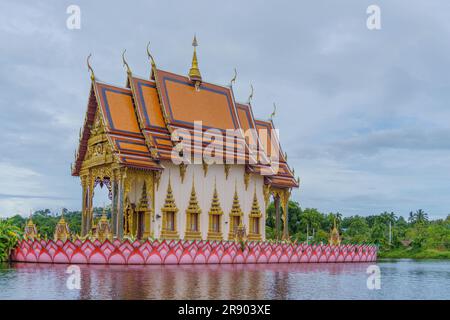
(270, 281)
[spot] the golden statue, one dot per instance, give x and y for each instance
(128, 219)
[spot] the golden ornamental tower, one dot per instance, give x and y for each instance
(103, 230)
(236, 223)
(62, 231)
(169, 219)
(194, 72)
(255, 219)
(193, 216)
(335, 239)
(215, 217)
(30, 232)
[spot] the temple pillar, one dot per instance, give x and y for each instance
(114, 206)
(89, 208)
(120, 206)
(276, 201)
(285, 204)
(86, 215)
(83, 205)
(148, 214)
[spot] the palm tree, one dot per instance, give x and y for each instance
(411, 217)
(421, 216)
(338, 217)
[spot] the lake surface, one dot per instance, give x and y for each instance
(400, 279)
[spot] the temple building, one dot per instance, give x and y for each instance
(146, 142)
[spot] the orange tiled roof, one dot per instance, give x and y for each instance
(122, 128)
(139, 121)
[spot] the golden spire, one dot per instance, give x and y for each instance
(104, 216)
(194, 72)
(193, 203)
(215, 203)
(255, 205)
(143, 202)
(169, 203)
(334, 236)
(62, 221)
(236, 208)
(30, 220)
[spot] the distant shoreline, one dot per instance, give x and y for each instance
(415, 254)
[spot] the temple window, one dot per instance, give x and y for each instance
(255, 225)
(170, 218)
(235, 221)
(215, 223)
(194, 222)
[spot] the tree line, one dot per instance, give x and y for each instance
(387, 230)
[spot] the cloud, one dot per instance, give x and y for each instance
(363, 115)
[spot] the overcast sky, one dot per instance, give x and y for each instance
(363, 115)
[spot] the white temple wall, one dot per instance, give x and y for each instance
(204, 187)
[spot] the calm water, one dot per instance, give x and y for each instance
(400, 279)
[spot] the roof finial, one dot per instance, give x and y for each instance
(125, 62)
(234, 78)
(272, 115)
(250, 97)
(150, 55)
(194, 72)
(89, 67)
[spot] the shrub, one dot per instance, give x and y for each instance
(9, 236)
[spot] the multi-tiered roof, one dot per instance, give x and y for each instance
(140, 118)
